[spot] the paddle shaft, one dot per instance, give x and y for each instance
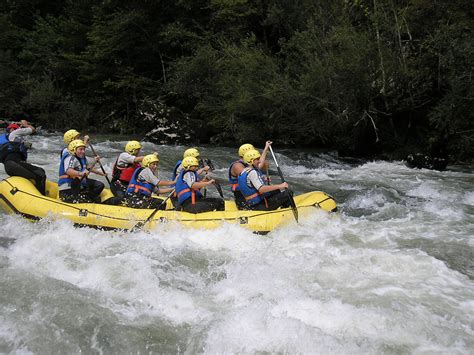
(140, 225)
(290, 197)
(85, 176)
(276, 163)
(100, 164)
(216, 183)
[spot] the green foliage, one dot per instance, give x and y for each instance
(364, 76)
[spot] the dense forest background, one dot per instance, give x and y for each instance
(366, 77)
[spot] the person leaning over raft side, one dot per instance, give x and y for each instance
(68, 137)
(187, 190)
(252, 185)
(143, 183)
(237, 166)
(125, 166)
(14, 152)
(74, 183)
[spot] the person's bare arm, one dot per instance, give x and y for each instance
(268, 188)
(263, 157)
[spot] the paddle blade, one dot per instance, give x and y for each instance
(293, 205)
(219, 188)
(210, 164)
(137, 227)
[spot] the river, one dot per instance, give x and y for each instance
(392, 272)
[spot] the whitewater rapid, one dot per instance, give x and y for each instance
(392, 272)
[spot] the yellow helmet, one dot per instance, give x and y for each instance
(148, 159)
(189, 161)
(244, 148)
(250, 156)
(191, 152)
(70, 135)
(133, 147)
(76, 143)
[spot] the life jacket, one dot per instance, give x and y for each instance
(4, 139)
(64, 178)
(183, 191)
(64, 152)
(138, 187)
(124, 174)
(175, 170)
(3, 147)
(251, 194)
(7, 147)
(234, 181)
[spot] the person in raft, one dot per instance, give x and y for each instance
(237, 166)
(14, 153)
(125, 166)
(68, 137)
(74, 183)
(257, 195)
(188, 186)
(144, 182)
(191, 152)
(178, 168)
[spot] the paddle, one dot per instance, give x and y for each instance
(102, 168)
(140, 225)
(216, 183)
(77, 183)
(290, 194)
(267, 175)
(202, 164)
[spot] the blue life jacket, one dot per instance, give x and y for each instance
(64, 152)
(64, 178)
(251, 194)
(4, 138)
(175, 170)
(138, 187)
(3, 147)
(7, 147)
(234, 181)
(184, 191)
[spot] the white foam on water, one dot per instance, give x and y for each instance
(375, 282)
(125, 269)
(447, 211)
(328, 296)
(9, 334)
(427, 190)
(310, 287)
(468, 198)
(371, 200)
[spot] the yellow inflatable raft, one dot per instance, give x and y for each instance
(20, 196)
